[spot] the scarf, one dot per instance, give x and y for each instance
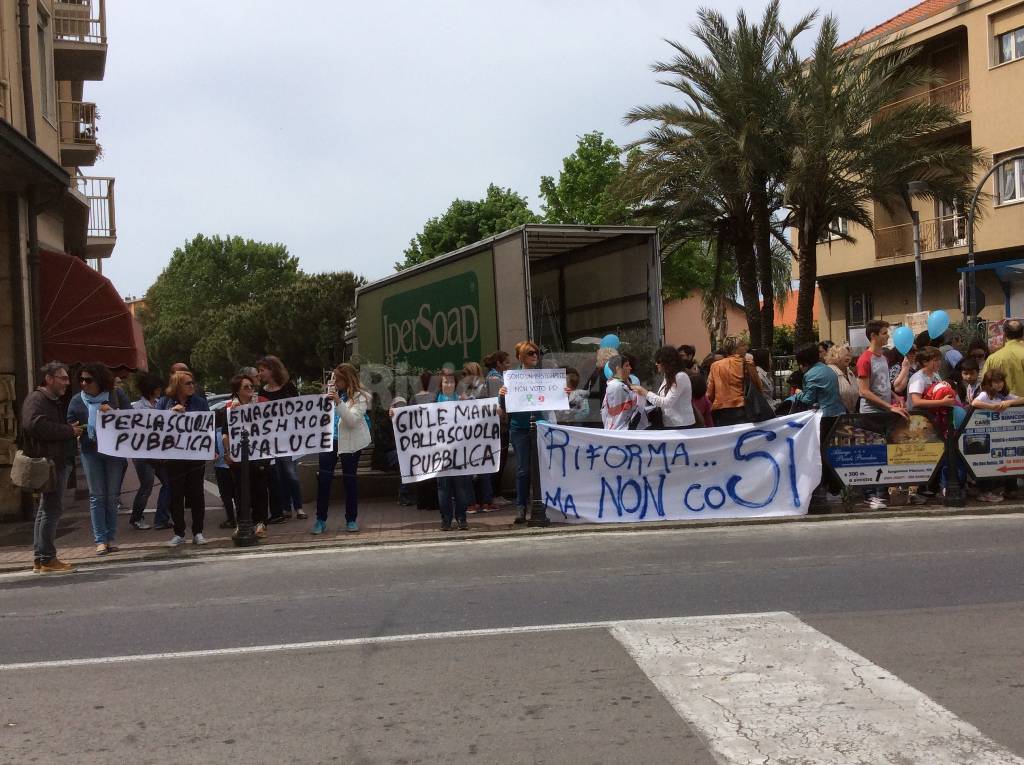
(93, 403)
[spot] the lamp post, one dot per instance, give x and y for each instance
(245, 534)
(970, 286)
(915, 188)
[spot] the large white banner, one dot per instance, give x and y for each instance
(447, 438)
(743, 471)
(289, 427)
(155, 434)
(535, 390)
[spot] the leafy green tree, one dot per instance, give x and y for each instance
(584, 192)
(466, 222)
(851, 147)
(202, 279)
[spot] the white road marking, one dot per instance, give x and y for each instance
(768, 688)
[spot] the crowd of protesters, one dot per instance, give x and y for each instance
(732, 386)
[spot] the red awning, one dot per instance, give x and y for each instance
(83, 318)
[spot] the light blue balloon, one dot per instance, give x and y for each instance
(958, 416)
(938, 323)
(610, 341)
(608, 373)
(634, 379)
(903, 339)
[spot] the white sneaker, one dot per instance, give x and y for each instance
(176, 541)
(198, 539)
(877, 503)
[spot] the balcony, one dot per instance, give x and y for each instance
(955, 95)
(79, 39)
(78, 147)
(938, 234)
(101, 235)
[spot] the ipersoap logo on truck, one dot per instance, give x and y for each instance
(434, 324)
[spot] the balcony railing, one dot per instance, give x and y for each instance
(100, 193)
(82, 21)
(78, 122)
(955, 95)
(937, 234)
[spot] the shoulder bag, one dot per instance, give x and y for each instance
(755, 405)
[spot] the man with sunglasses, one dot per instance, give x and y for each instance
(48, 434)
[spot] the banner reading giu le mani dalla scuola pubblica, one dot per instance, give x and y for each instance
(743, 471)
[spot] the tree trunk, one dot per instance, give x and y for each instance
(808, 254)
(763, 251)
(746, 268)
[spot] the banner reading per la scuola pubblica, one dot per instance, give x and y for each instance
(595, 476)
(155, 434)
(447, 438)
(288, 427)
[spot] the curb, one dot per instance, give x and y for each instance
(161, 554)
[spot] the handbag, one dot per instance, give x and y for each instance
(755, 405)
(32, 473)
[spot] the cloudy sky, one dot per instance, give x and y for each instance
(339, 128)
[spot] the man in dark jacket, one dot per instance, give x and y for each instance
(48, 434)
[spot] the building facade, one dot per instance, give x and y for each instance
(50, 200)
(978, 50)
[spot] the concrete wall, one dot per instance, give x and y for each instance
(684, 324)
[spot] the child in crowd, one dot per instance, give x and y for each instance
(968, 387)
(994, 397)
(579, 406)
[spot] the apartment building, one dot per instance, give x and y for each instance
(56, 214)
(977, 46)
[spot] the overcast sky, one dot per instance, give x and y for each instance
(339, 128)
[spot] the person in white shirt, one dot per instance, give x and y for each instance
(929, 358)
(674, 397)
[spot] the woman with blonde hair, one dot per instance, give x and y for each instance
(185, 476)
(838, 357)
(351, 436)
(473, 385)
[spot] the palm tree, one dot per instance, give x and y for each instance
(850, 148)
(719, 156)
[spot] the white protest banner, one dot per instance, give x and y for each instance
(447, 438)
(288, 427)
(535, 390)
(155, 434)
(743, 471)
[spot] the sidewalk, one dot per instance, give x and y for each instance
(381, 521)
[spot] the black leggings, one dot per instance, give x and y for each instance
(186, 478)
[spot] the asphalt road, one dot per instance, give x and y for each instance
(931, 607)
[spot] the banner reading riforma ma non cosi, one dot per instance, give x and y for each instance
(595, 476)
(447, 438)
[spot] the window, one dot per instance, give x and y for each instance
(1010, 182)
(952, 225)
(839, 227)
(47, 97)
(859, 309)
(1010, 45)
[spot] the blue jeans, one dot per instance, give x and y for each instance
(145, 473)
(44, 531)
(459, 488)
(104, 475)
(324, 478)
(523, 447)
(285, 490)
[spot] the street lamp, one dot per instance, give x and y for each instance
(970, 286)
(916, 188)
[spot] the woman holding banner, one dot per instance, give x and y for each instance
(285, 491)
(103, 473)
(457, 488)
(185, 476)
(243, 393)
(473, 385)
(351, 436)
(674, 397)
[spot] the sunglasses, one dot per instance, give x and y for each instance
(85, 380)
(531, 353)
